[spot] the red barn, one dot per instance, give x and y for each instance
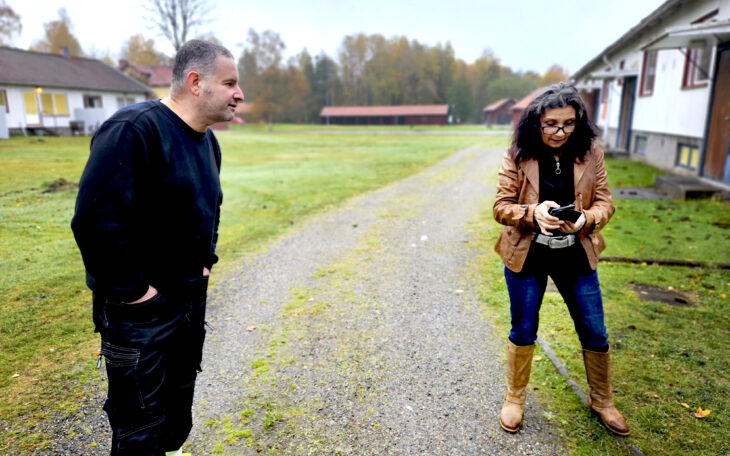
(522, 105)
(385, 115)
(498, 113)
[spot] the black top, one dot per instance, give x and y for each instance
(149, 199)
(558, 187)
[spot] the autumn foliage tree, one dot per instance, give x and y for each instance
(59, 36)
(277, 90)
(10, 25)
(374, 70)
(142, 51)
(554, 74)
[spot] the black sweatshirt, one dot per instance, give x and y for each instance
(148, 207)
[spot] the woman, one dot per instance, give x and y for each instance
(553, 162)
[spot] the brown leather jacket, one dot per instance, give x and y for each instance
(517, 198)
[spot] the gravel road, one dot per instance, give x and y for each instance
(358, 333)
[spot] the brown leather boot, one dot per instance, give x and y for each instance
(519, 362)
(600, 394)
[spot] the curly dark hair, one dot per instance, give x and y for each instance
(527, 141)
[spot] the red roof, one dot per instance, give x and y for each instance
(372, 111)
(522, 104)
(160, 75)
(498, 104)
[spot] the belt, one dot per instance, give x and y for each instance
(554, 242)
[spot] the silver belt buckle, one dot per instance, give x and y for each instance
(558, 242)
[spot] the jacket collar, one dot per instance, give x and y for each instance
(580, 166)
(532, 170)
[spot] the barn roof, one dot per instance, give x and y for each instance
(371, 111)
(498, 104)
(522, 104)
(27, 68)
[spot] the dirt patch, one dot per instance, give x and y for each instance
(59, 185)
(659, 294)
(722, 223)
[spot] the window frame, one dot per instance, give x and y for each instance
(640, 139)
(689, 75)
(56, 96)
(4, 97)
(643, 92)
(693, 152)
(29, 96)
(89, 96)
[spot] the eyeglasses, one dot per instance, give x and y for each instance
(553, 129)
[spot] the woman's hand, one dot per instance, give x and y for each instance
(545, 220)
(569, 227)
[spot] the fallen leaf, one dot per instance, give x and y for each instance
(250, 328)
(684, 404)
(701, 413)
(537, 358)
(16, 375)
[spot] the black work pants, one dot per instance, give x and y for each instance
(153, 352)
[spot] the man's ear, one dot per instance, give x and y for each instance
(192, 81)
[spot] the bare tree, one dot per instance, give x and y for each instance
(9, 24)
(176, 19)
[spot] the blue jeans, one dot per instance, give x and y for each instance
(581, 293)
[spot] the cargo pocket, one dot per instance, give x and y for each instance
(123, 377)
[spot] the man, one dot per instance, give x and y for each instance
(146, 223)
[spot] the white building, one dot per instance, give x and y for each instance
(53, 92)
(662, 90)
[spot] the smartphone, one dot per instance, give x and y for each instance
(565, 213)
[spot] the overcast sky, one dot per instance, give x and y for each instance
(523, 34)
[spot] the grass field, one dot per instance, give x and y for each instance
(270, 183)
(665, 355)
(669, 358)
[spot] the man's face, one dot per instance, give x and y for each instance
(220, 93)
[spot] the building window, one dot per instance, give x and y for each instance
(697, 67)
(640, 147)
(688, 156)
(46, 104)
(604, 91)
(53, 104)
(30, 103)
(92, 101)
(59, 101)
(4, 100)
(648, 73)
